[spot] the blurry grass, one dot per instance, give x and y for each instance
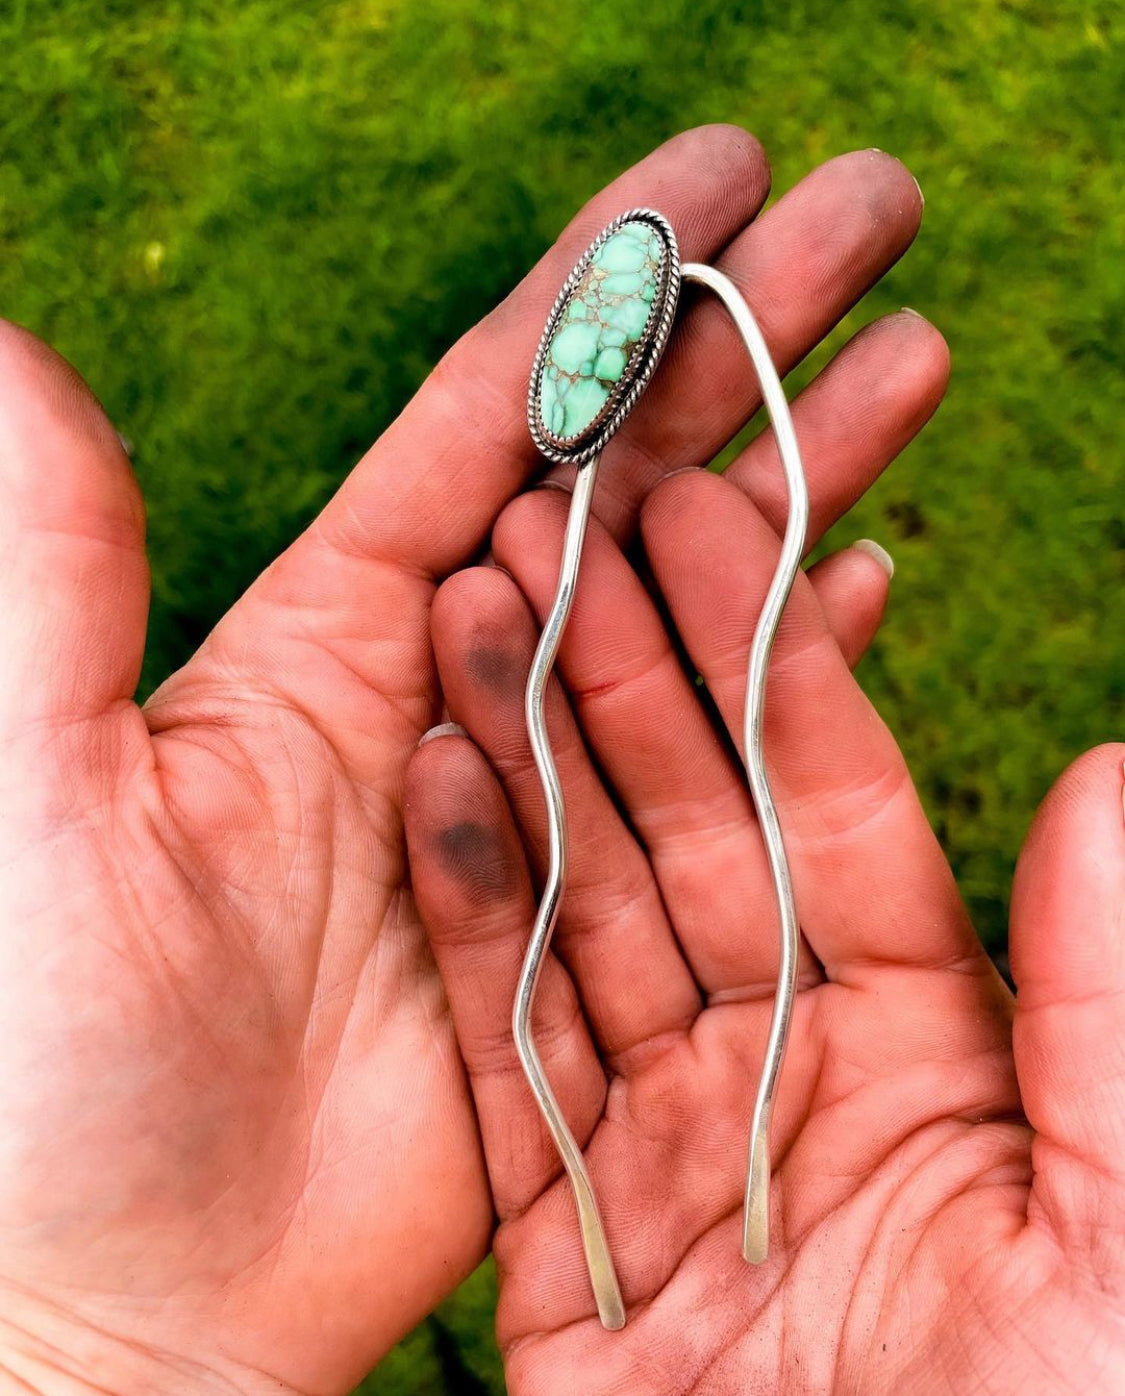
(254, 227)
(453, 1352)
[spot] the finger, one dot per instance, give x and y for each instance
(428, 491)
(873, 887)
(851, 587)
(677, 780)
(472, 888)
(422, 499)
(852, 420)
(676, 777)
(338, 626)
(801, 266)
(613, 932)
(1068, 961)
(73, 575)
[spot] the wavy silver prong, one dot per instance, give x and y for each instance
(755, 1217)
(598, 1260)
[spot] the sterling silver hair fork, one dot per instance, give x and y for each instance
(604, 337)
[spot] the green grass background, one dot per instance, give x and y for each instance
(253, 228)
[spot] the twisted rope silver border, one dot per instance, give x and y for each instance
(576, 450)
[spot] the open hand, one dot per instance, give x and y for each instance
(239, 1149)
(948, 1201)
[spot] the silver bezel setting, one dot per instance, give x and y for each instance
(577, 449)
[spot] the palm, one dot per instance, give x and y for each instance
(871, 1237)
(242, 926)
(871, 1257)
(925, 1236)
(903, 1261)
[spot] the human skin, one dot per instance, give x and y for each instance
(948, 1197)
(233, 1103)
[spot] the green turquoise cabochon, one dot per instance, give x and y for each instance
(604, 336)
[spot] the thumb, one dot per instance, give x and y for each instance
(1068, 961)
(73, 575)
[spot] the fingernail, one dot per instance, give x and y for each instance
(876, 150)
(682, 470)
(879, 553)
(552, 485)
(908, 310)
(443, 729)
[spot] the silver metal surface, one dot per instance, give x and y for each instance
(755, 1217)
(598, 1260)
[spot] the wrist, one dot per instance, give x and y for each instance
(47, 1351)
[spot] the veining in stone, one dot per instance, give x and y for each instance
(600, 329)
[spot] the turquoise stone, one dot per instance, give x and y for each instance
(629, 315)
(574, 345)
(626, 250)
(599, 329)
(610, 365)
(549, 408)
(624, 283)
(583, 403)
